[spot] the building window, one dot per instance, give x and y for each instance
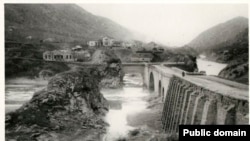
(66, 56)
(45, 56)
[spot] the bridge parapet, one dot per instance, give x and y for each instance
(189, 103)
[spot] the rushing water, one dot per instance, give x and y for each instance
(129, 100)
(211, 68)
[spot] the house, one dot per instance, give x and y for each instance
(77, 48)
(82, 56)
(117, 44)
(48, 56)
(107, 42)
(127, 44)
(142, 57)
(59, 55)
(94, 43)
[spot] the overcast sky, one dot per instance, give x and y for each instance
(170, 24)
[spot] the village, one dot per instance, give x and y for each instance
(80, 54)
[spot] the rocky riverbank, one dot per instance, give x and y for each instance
(148, 123)
(69, 108)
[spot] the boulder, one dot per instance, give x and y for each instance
(111, 72)
(70, 101)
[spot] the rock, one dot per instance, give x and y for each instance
(111, 72)
(134, 132)
(69, 99)
(35, 135)
(46, 74)
(237, 71)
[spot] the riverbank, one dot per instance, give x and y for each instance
(148, 123)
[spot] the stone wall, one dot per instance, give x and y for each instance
(187, 103)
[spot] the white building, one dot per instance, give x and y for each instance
(127, 44)
(107, 42)
(93, 43)
(59, 55)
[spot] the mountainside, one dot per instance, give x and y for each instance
(58, 23)
(232, 50)
(224, 32)
(236, 54)
(227, 43)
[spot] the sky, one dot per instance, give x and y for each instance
(169, 24)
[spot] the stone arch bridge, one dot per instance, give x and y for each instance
(193, 99)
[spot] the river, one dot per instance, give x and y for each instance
(123, 102)
(211, 68)
(18, 91)
(128, 101)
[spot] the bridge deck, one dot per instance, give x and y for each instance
(235, 90)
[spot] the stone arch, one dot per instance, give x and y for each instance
(159, 89)
(151, 82)
(200, 103)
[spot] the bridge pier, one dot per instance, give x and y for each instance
(174, 108)
(178, 108)
(198, 110)
(210, 112)
(185, 105)
(167, 102)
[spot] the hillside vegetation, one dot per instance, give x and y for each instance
(58, 23)
(42, 27)
(27, 61)
(236, 56)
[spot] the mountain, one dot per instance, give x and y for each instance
(236, 54)
(41, 27)
(58, 23)
(224, 32)
(228, 51)
(227, 43)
